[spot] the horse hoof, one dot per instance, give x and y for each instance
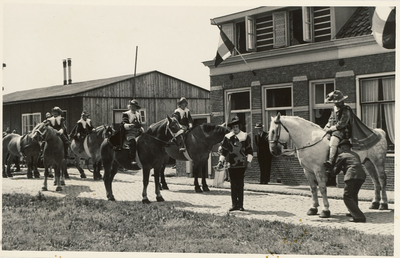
(198, 189)
(59, 189)
(146, 201)
(160, 199)
(51, 176)
(9, 175)
(312, 211)
(206, 189)
(165, 187)
(29, 176)
(374, 206)
(383, 206)
(44, 188)
(67, 177)
(37, 176)
(62, 183)
(325, 214)
(83, 176)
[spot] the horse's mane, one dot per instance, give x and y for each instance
(305, 120)
(155, 126)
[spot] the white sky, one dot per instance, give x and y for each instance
(101, 40)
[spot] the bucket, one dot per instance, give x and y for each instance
(219, 175)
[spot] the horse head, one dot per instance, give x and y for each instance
(108, 131)
(277, 138)
(173, 124)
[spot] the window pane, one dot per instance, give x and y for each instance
(319, 94)
(279, 97)
(369, 90)
(240, 101)
(388, 88)
(329, 88)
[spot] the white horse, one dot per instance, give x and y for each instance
(312, 148)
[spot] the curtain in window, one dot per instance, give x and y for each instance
(369, 90)
(370, 94)
(388, 86)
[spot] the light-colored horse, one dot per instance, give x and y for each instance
(312, 146)
(53, 154)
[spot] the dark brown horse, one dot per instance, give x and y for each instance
(150, 151)
(89, 148)
(53, 154)
(15, 146)
(199, 142)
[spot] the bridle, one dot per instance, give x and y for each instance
(278, 135)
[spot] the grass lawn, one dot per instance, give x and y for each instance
(39, 223)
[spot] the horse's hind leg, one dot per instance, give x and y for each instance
(204, 172)
(110, 169)
(379, 180)
(313, 188)
(146, 175)
(78, 166)
(164, 184)
(322, 179)
(58, 172)
(46, 175)
(196, 169)
(29, 167)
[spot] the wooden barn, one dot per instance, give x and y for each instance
(105, 100)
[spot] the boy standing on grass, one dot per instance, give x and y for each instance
(354, 176)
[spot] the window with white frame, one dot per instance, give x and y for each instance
(117, 116)
(277, 99)
(239, 104)
(321, 111)
(377, 99)
(29, 121)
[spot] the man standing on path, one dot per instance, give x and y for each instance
(354, 176)
(264, 156)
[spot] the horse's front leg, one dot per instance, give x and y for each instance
(313, 210)
(29, 165)
(157, 172)
(46, 175)
(164, 184)
(9, 162)
(57, 172)
(196, 168)
(145, 180)
(107, 179)
(204, 172)
(322, 178)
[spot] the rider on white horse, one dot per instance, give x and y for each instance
(338, 124)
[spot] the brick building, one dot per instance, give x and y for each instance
(298, 55)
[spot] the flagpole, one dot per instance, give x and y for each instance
(219, 27)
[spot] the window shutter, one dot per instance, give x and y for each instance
(307, 24)
(250, 34)
(280, 29)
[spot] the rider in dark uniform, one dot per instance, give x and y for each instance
(338, 125)
(83, 127)
(58, 123)
(132, 127)
(182, 114)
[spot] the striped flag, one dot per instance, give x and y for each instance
(225, 47)
(384, 26)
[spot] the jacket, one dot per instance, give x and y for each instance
(239, 149)
(349, 162)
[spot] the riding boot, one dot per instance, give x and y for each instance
(132, 151)
(183, 146)
(334, 142)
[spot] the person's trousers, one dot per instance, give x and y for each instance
(237, 185)
(264, 160)
(350, 197)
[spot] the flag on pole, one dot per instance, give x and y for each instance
(384, 26)
(228, 111)
(225, 47)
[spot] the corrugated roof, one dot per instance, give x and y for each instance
(357, 25)
(68, 90)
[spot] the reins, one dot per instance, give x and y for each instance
(287, 130)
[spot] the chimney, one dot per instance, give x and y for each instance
(65, 71)
(69, 71)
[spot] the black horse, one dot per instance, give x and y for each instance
(150, 153)
(199, 142)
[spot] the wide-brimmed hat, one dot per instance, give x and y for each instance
(57, 109)
(259, 125)
(134, 102)
(335, 96)
(235, 121)
(85, 113)
(345, 142)
(182, 100)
